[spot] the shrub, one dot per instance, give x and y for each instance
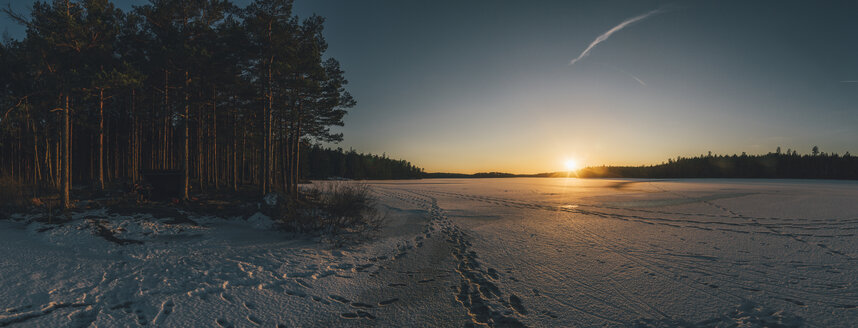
(343, 211)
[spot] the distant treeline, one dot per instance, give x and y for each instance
(777, 165)
(325, 163)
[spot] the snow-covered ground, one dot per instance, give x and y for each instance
(502, 252)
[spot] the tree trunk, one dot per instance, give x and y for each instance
(243, 175)
(100, 172)
(234, 153)
(295, 160)
(66, 156)
(286, 159)
(48, 159)
(185, 151)
(164, 153)
(58, 166)
(288, 169)
(264, 182)
(199, 149)
(214, 138)
(135, 156)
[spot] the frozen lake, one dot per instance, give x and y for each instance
(694, 252)
(539, 252)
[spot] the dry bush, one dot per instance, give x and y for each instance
(341, 211)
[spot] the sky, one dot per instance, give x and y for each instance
(525, 86)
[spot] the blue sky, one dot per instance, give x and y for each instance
(487, 86)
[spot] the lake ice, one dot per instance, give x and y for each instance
(541, 252)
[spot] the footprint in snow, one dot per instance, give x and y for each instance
(366, 315)
(254, 320)
(359, 314)
(388, 302)
(339, 299)
(515, 302)
(296, 293)
(166, 309)
(303, 283)
(548, 313)
(221, 322)
(141, 318)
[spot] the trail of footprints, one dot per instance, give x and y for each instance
(477, 291)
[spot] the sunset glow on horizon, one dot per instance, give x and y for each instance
(570, 165)
(649, 82)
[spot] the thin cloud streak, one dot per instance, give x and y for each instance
(613, 30)
(627, 73)
(637, 79)
(850, 81)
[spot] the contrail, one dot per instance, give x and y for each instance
(850, 81)
(637, 79)
(608, 34)
(626, 73)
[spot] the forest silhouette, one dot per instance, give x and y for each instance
(227, 96)
(776, 165)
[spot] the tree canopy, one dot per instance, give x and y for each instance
(229, 96)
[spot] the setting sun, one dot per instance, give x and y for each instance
(570, 165)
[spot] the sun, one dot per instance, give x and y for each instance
(571, 165)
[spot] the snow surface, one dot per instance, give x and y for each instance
(498, 252)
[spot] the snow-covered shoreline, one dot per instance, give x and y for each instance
(499, 252)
